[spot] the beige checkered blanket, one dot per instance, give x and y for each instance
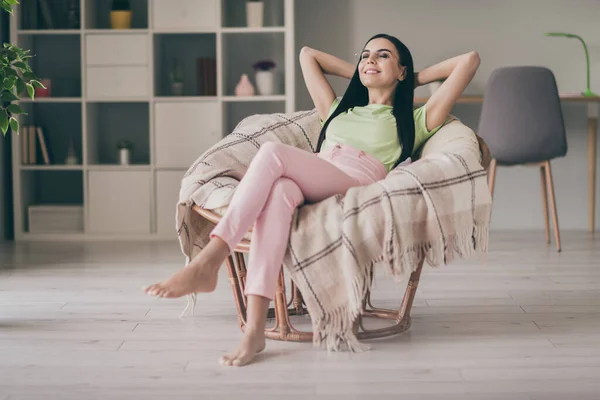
(434, 209)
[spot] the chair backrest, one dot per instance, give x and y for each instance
(521, 119)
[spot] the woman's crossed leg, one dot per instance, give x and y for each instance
(278, 180)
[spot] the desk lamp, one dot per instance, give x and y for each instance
(588, 92)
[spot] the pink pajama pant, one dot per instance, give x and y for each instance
(279, 179)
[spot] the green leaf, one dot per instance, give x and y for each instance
(37, 84)
(14, 125)
(3, 121)
(20, 64)
(20, 86)
(12, 2)
(29, 76)
(9, 96)
(9, 82)
(30, 90)
(6, 7)
(15, 109)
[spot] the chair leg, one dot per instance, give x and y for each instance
(410, 293)
(552, 203)
(281, 307)
(492, 176)
(234, 279)
(545, 201)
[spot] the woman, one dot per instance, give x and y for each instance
(370, 130)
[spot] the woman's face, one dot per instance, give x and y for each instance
(379, 65)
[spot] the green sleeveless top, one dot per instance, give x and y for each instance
(372, 129)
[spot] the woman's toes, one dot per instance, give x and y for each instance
(156, 291)
(225, 360)
(242, 359)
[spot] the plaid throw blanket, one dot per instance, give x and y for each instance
(434, 209)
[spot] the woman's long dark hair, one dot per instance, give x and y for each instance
(358, 95)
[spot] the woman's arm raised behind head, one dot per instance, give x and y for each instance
(458, 72)
(315, 64)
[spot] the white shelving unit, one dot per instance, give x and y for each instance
(110, 85)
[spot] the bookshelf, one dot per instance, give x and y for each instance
(165, 86)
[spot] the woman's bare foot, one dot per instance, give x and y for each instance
(252, 343)
(200, 275)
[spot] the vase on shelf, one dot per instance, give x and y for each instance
(177, 88)
(124, 156)
(124, 147)
(244, 86)
(265, 82)
(46, 91)
(71, 158)
(120, 19)
(254, 14)
(120, 14)
(265, 76)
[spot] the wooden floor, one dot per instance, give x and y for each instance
(523, 322)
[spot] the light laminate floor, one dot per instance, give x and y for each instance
(523, 322)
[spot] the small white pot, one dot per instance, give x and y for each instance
(265, 82)
(124, 156)
(254, 14)
(177, 88)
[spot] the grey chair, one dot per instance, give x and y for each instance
(522, 124)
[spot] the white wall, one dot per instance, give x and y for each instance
(504, 32)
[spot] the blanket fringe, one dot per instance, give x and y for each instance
(334, 330)
(439, 252)
(191, 298)
(191, 305)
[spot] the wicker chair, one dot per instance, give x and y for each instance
(284, 308)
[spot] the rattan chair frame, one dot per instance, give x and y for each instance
(283, 309)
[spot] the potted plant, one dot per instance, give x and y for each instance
(176, 78)
(120, 14)
(18, 79)
(265, 76)
(254, 13)
(125, 147)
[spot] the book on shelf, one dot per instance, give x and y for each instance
(206, 76)
(35, 145)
